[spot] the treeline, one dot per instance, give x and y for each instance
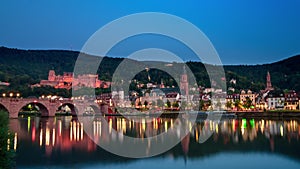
(22, 68)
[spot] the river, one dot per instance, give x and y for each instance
(68, 142)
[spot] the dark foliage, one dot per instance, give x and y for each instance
(23, 68)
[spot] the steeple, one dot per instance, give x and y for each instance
(184, 83)
(269, 84)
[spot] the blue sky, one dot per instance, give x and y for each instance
(243, 32)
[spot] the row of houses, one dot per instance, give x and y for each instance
(269, 100)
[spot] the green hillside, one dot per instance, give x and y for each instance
(22, 68)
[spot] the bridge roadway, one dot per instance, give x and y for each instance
(49, 107)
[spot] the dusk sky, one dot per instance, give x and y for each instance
(243, 32)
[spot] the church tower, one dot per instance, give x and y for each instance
(184, 85)
(269, 84)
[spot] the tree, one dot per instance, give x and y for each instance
(237, 104)
(146, 103)
(168, 103)
(248, 103)
(218, 104)
(139, 103)
(201, 105)
(229, 105)
(183, 105)
(6, 160)
(175, 104)
(160, 103)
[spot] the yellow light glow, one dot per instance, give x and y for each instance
(124, 126)
(41, 137)
(143, 124)
(74, 130)
(15, 141)
(8, 144)
(53, 137)
(166, 126)
(197, 135)
(47, 136)
(78, 134)
(233, 125)
(28, 124)
(110, 126)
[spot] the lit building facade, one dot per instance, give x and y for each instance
(67, 80)
(291, 100)
(275, 101)
(244, 95)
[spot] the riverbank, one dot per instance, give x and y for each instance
(270, 113)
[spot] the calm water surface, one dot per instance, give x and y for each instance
(236, 143)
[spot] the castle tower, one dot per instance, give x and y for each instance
(269, 84)
(51, 75)
(184, 85)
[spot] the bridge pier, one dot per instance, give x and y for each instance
(13, 110)
(51, 110)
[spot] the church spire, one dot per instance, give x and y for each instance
(184, 85)
(269, 84)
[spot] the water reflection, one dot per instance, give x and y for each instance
(245, 130)
(63, 139)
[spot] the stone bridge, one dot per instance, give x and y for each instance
(49, 107)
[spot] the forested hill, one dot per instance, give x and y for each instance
(285, 74)
(24, 67)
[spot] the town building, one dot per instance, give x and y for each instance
(291, 100)
(218, 101)
(275, 100)
(232, 98)
(244, 95)
(4, 83)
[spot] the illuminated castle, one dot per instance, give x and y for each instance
(67, 80)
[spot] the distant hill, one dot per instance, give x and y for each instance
(24, 67)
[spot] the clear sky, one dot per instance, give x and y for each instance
(242, 31)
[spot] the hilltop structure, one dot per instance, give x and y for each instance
(67, 80)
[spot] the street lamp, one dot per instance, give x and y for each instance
(11, 94)
(3, 94)
(18, 94)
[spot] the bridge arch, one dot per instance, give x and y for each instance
(42, 108)
(74, 110)
(95, 108)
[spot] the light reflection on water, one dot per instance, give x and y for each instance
(61, 141)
